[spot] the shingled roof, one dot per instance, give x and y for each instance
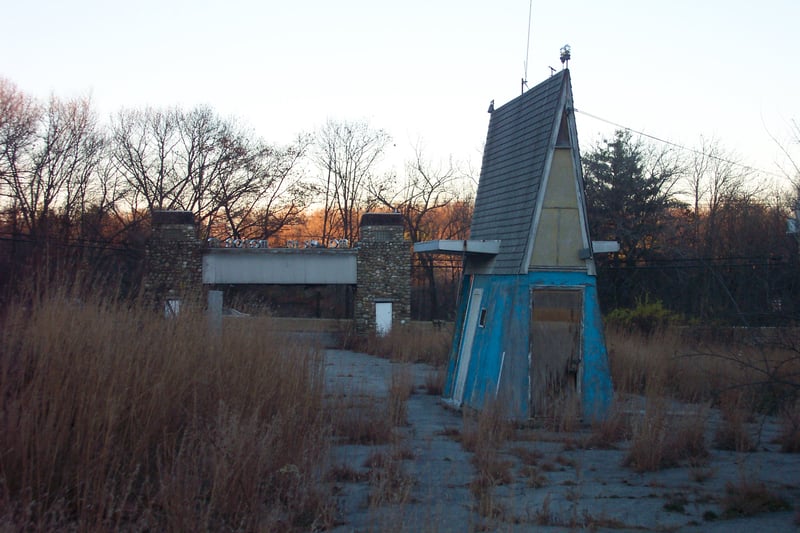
(521, 135)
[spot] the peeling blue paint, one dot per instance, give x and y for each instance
(500, 363)
(531, 149)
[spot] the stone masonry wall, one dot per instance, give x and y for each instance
(384, 270)
(174, 263)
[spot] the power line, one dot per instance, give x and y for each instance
(680, 146)
(84, 244)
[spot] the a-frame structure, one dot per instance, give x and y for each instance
(528, 327)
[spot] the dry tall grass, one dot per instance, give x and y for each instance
(732, 433)
(701, 366)
(664, 434)
(400, 389)
(749, 497)
(789, 438)
(483, 434)
(116, 418)
(415, 342)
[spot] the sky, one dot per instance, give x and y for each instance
(425, 71)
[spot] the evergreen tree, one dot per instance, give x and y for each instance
(629, 194)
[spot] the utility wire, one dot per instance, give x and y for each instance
(89, 244)
(680, 146)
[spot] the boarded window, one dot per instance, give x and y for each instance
(556, 329)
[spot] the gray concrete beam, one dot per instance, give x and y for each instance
(279, 266)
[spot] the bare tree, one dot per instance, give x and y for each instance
(195, 161)
(422, 198)
(210, 151)
(347, 153)
(19, 122)
(793, 173)
(266, 194)
(49, 156)
(144, 144)
(717, 180)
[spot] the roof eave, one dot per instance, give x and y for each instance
(456, 247)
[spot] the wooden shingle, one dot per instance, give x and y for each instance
(514, 159)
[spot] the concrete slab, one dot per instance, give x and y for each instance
(580, 489)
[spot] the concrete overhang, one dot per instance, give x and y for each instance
(468, 246)
(605, 247)
(284, 266)
(599, 247)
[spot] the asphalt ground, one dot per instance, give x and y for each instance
(573, 488)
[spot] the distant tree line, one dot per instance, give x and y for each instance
(698, 231)
(74, 188)
(701, 233)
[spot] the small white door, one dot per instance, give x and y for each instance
(465, 354)
(172, 308)
(383, 318)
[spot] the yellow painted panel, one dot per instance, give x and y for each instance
(561, 187)
(558, 240)
(570, 240)
(545, 248)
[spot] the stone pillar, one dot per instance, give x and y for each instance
(383, 271)
(173, 259)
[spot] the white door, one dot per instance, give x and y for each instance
(383, 318)
(465, 353)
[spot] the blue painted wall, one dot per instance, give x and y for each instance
(499, 366)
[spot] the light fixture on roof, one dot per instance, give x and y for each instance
(565, 55)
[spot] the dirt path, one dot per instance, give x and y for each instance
(420, 480)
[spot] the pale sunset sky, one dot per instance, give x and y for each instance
(425, 71)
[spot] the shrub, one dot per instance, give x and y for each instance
(647, 317)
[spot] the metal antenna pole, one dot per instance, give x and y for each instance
(527, 48)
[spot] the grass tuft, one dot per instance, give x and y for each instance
(435, 381)
(388, 479)
(789, 437)
(607, 432)
(483, 434)
(362, 420)
(732, 433)
(400, 389)
(749, 497)
(663, 441)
